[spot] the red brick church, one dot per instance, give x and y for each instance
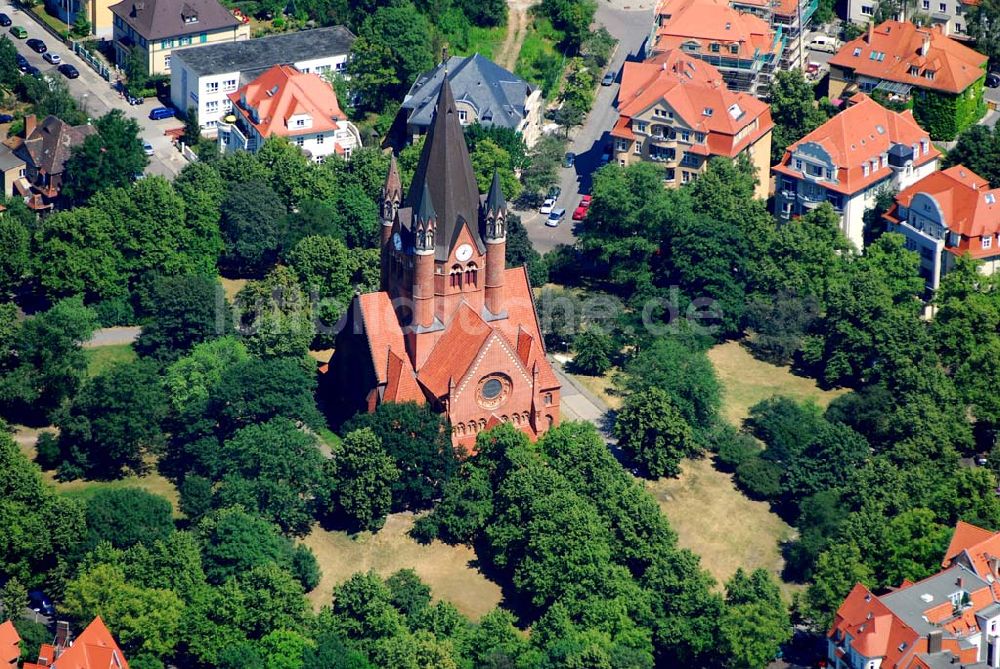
(451, 326)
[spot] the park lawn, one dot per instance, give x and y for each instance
(602, 387)
(716, 521)
(100, 358)
(746, 381)
(446, 569)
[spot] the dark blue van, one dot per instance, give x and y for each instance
(159, 113)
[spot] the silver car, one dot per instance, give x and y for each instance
(556, 217)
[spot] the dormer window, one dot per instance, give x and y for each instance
(929, 74)
(734, 49)
(864, 169)
(914, 71)
(990, 199)
(988, 242)
(714, 47)
(924, 146)
(857, 51)
(300, 123)
(707, 111)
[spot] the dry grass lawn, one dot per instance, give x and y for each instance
(715, 520)
(232, 286)
(746, 381)
(446, 569)
(602, 387)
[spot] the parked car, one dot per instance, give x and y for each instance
(556, 217)
(147, 148)
(4, 20)
(6, 118)
(547, 206)
(982, 460)
(37, 45)
(33, 71)
(19, 32)
(569, 160)
(22, 62)
(823, 43)
(69, 71)
(609, 78)
(39, 602)
(580, 213)
(585, 202)
(554, 191)
(52, 58)
(160, 113)
(993, 80)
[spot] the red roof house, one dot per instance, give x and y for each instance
(10, 645)
(94, 648)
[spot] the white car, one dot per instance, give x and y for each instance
(555, 218)
(547, 206)
(824, 43)
(147, 148)
(53, 58)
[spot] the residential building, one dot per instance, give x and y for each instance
(951, 16)
(939, 78)
(10, 646)
(203, 77)
(676, 110)
(787, 16)
(45, 150)
(285, 102)
(743, 47)
(94, 648)
(151, 30)
(485, 93)
(98, 13)
(950, 620)
(849, 159)
(946, 215)
(451, 328)
(12, 166)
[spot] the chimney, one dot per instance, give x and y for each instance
(925, 45)
(958, 581)
(933, 642)
(30, 121)
(871, 32)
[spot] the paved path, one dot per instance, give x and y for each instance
(630, 27)
(96, 96)
(578, 403)
(113, 337)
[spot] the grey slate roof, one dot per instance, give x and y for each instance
(497, 95)
(156, 19)
(908, 605)
(49, 146)
(8, 160)
(264, 52)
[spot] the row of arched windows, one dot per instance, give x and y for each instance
(472, 426)
(463, 276)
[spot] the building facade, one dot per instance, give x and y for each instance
(45, 149)
(742, 46)
(951, 16)
(451, 327)
(676, 111)
(284, 102)
(151, 30)
(201, 78)
(938, 77)
(946, 215)
(849, 159)
(485, 93)
(98, 13)
(950, 620)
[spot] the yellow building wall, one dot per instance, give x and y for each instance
(760, 156)
(100, 16)
(157, 54)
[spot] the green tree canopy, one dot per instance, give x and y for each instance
(181, 311)
(110, 158)
(361, 475)
(127, 516)
(653, 432)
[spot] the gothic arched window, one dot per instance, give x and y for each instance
(455, 277)
(471, 274)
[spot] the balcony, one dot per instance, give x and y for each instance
(237, 141)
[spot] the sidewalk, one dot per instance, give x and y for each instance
(578, 403)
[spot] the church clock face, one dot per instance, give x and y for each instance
(463, 253)
(397, 241)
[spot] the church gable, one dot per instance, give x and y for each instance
(495, 359)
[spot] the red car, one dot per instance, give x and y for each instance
(585, 201)
(580, 213)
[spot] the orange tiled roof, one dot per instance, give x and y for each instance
(454, 352)
(691, 87)
(282, 92)
(10, 648)
(95, 648)
(875, 630)
(713, 22)
(976, 547)
(857, 135)
(955, 66)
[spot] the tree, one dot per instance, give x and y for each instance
(651, 429)
(982, 24)
(394, 43)
(837, 570)
(361, 475)
(273, 469)
(978, 148)
(372, 72)
(233, 542)
(913, 544)
(113, 422)
(251, 231)
(127, 516)
(81, 25)
(13, 599)
(275, 316)
(110, 158)
(9, 72)
(76, 254)
(420, 443)
(793, 109)
(182, 311)
(489, 157)
(189, 381)
(33, 635)
(488, 13)
(592, 352)
(14, 240)
(572, 17)
(51, 97)
(756, 622)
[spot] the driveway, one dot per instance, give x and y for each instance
(630, 27)
(96, 96)
(113, 337)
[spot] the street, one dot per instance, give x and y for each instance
(96, 96)
(630, 27)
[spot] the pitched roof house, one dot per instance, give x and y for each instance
(451, 327)
(45, 149)
(288, 103)
(678, 111)
(10, 645)
(485, 93)
(94, 648)
(948, 620)
(847, 160)
(946, 215)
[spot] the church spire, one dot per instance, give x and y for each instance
(393, 187)
(495, 201)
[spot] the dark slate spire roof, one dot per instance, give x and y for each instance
(425, 212)
(393, 188)
(495, 201)
(445, 173)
